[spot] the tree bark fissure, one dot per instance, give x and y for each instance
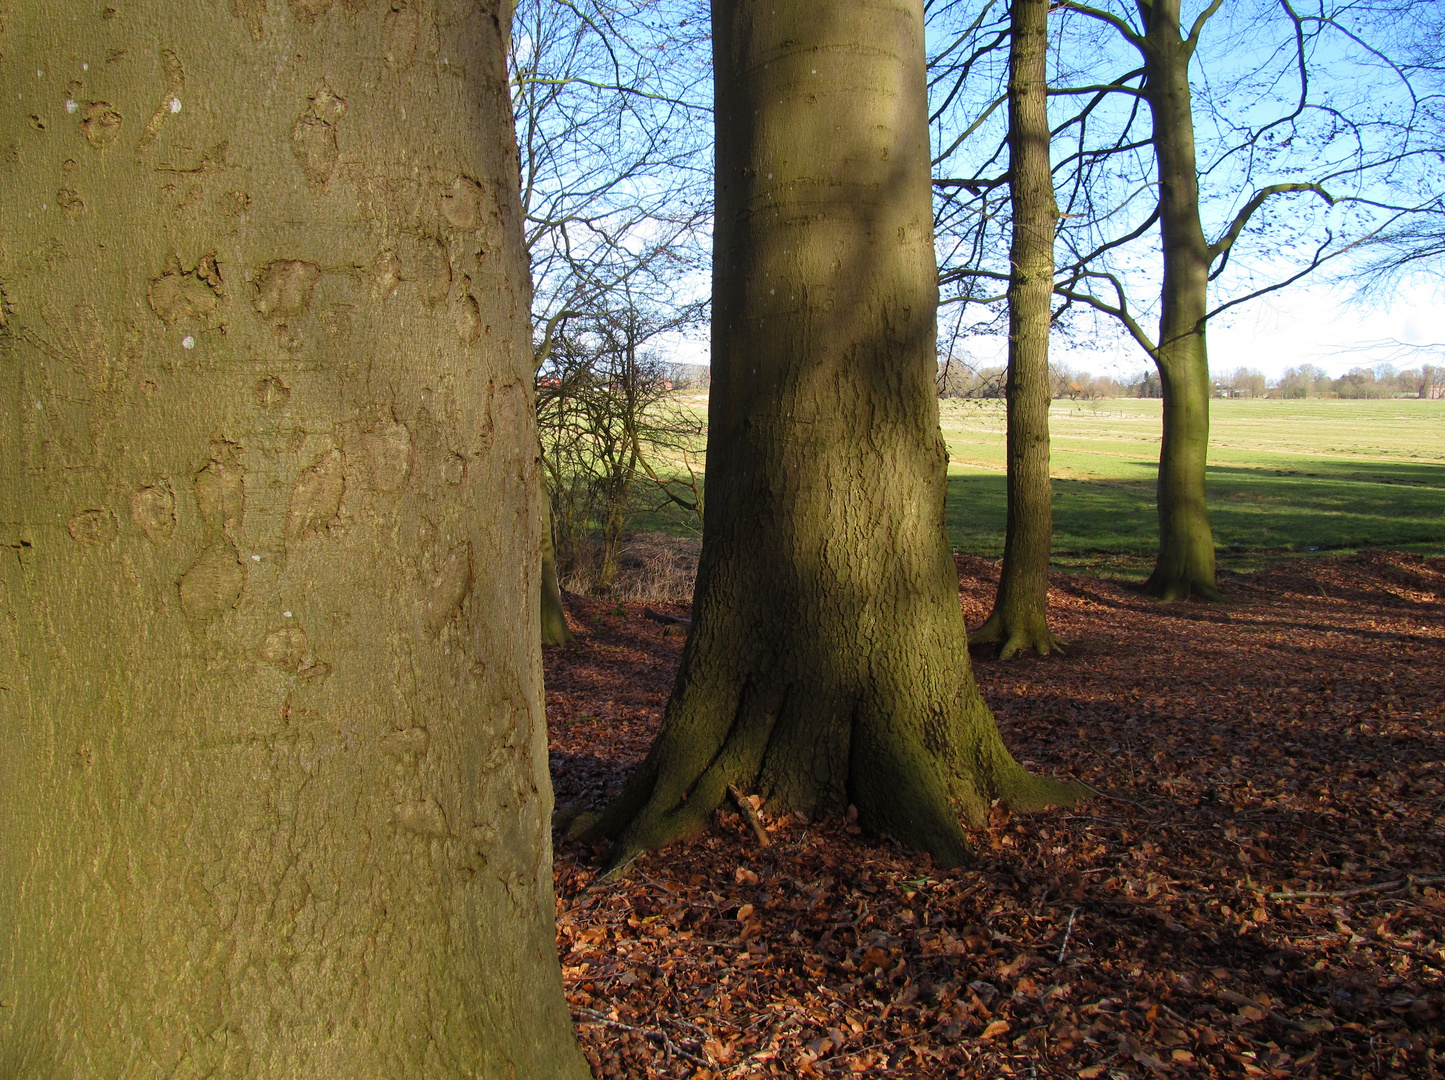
(1019, 620)
(827, 663)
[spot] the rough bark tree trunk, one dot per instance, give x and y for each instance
(1185, 565)
(274, 783)
(1019, 619)
(827, 663)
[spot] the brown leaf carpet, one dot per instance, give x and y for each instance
(1258, 891)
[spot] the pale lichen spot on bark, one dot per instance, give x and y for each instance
(271, 392)
(449, 588)
(178, 293)
(100, 124)
(153, 509)
(214, 582)
(423, 817)
(220, 488)
(92, 526)
(283, 289)
(313, 137)
(316, 498)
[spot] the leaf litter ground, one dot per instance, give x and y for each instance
(1257, 891)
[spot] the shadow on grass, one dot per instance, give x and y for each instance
(1338, 505)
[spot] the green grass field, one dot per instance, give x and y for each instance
(1284, 477)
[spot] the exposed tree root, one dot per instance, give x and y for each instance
(1016, 637)
(921, 795)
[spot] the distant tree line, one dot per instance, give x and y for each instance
(960, 380)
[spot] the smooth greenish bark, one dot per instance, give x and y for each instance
(1185, 565)
(823, 666)
(1019, 620)
(274, 784)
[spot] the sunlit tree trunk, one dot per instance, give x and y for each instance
(1185, 565)
(274, 781)
(1019, 619)
(823, 667)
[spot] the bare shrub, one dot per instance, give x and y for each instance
(649, 566)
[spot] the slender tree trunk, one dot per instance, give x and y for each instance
(823, 667)
(1185, 566)
(554, 613)
(274, 785)
(1019, 619)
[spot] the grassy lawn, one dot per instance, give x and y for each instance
(1284, 476)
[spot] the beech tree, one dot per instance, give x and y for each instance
(1019, 619)
(1140, 237)
(274, 786)
(823, 666)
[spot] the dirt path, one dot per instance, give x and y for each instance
(1259, 892)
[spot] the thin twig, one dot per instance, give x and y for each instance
(591, 1016)
(745, 807)
(1409, 881)
(1068, 934)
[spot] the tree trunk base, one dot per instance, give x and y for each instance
(1016, 636)
(1169, 586)
(915, 783)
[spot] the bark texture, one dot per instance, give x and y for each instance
(1019, 620)
(1185, 566)
(274, 782)
(823, 667)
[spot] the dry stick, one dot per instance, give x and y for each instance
(1068, 933)
(745, 807)
(1384, 886)
(1313, 1027)
(668, 1046)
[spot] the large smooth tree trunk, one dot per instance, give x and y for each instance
(274, 783)
(1019, 619)
(823, 667)
(1185, 566)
